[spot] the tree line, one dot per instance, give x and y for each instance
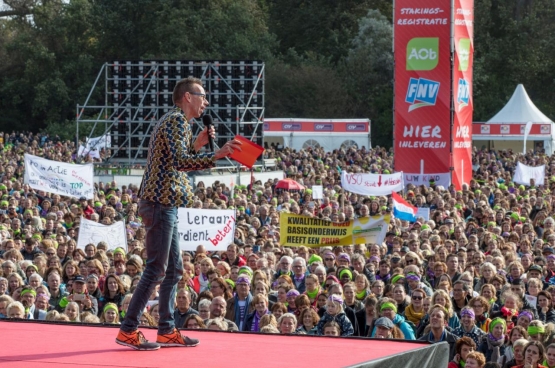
(324, 59)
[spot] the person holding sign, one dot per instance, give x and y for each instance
(164, 188)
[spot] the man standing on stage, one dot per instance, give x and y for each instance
(165, 188)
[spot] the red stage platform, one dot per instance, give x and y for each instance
(36, 344)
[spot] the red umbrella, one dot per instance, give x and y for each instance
(289, 184)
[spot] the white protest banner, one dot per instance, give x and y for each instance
(372, 184)
(104, 141)
(523, 174)
(59, 177)
(443, 179)
(215, 229)
(317, 192)
(423, 212)
(93, 153)
(93, 232)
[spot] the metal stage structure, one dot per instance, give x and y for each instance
(138, 93)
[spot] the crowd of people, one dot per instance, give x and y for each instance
(479, 274)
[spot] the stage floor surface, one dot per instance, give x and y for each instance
(35, 344)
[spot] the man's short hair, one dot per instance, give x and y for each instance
(183, 86)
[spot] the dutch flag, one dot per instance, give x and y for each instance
(402, 209)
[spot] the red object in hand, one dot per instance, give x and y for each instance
(250, 151)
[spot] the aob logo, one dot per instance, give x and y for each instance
(422, 53)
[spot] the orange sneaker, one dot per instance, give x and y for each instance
(175, 338)
(135, 340)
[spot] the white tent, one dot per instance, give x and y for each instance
(506, 128)
(520, 109)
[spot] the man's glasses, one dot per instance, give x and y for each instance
(417, 297)
(203, 95)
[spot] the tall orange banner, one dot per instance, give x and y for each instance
(422, 134)
(463, 39)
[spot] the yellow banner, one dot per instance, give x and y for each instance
(297, 230)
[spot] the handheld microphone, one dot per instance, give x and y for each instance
(207, 121)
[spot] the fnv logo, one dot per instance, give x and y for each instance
(463, 94)
(356, 127)
(290, 126)
(325, 127)
(421, 92)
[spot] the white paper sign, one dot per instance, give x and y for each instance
(532, 300)
(524, 173)
(372, 184)
(94, 153)
(317, 192)
(59, 177)
(93, 232)
(215, 229)
(423, 212)
(104, 141)
(443, 179)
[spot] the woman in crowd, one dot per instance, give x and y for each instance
(309, 320)
(70, 270)
(518, 332)
(468, 326)
(415, 310)
(260, 303)
(475, 360)
(72, 312)
(194, 322)
(349, 291)
(545, 309)
(114, 292)
(518, 354)
(287, 323)
(366, 317)
(219, 287)
(313, 289)
(510, 311)
(110, 314)
(492, 345)
(385, 329)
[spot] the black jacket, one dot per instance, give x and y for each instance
(360, 328)
(547, 317)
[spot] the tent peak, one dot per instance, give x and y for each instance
(519, 110)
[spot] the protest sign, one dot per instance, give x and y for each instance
(296, 230)
(215, 229)
(423, 212)
(59, 177)
(93, 153)
(317, 192)
(416, 179)
(372, 184)
(93, 232)
(523, 174)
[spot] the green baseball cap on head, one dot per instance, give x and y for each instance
(3, 187)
